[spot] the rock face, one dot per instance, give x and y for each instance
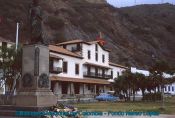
(97, 1)
(134, 34)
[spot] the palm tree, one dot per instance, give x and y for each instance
(142, 82)
(157, 71)
(120, 87)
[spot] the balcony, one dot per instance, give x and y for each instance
(97, 75)
(56, 70)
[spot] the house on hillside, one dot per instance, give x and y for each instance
(81, 68)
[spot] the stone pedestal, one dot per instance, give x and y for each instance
(34, 87)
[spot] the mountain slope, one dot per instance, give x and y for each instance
(134, 34)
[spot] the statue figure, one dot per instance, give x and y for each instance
(36, 21)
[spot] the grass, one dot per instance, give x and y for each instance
(130, 106)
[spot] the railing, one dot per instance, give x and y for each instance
(56, 70)
(97, 75)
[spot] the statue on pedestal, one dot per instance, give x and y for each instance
(36, 21)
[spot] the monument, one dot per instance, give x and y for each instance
(33, 93)
(34, 87)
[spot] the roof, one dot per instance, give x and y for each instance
(82, 41)
(5, 40)
(92, 42)
(95, 42)
(117, 65)
(63, 51)
(55, 56)
(73, 42)
(87, 63)
(79, 80)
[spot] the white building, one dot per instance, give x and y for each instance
(168, 88)
(81, 68)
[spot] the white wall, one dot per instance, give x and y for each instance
(71, 61)
(85, 49)
(70, 46)
(144, 72)
(171, 87)
(116, 70)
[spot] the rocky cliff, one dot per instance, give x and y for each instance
(133, 34)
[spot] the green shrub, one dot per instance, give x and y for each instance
(152, 97)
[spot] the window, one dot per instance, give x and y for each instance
(78, 46)
(64, 46)
(96, 47)
(168, 88)
(165, 88)
(103, 58)
(77, 69)
(96, 71)
(111, 74)
(88, 70)
(96, 56)
(103, 72)
(89, 87)
(118, 74)
(51, 64)
(89, 54)
(172, 88)
(65, 67)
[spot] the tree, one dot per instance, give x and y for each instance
(157, 71)
(142, 82)
(126, 84)
(121, 86)
(10, 64)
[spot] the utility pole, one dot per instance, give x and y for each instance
(17, 35)
(16, 48)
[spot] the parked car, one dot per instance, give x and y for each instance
(106, 97)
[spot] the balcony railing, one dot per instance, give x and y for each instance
(56, 70)
(97, 75)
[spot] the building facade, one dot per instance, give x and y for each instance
(81, 68)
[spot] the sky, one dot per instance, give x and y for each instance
(124, 3)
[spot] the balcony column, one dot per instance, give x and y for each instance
(72, 88)
(56, 90)
(83, 89)
(95, 88)
(104, 88)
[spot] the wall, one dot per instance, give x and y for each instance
(71, 66)
(116, 70)
(85, 49)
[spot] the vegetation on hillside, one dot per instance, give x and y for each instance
(133, 33)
